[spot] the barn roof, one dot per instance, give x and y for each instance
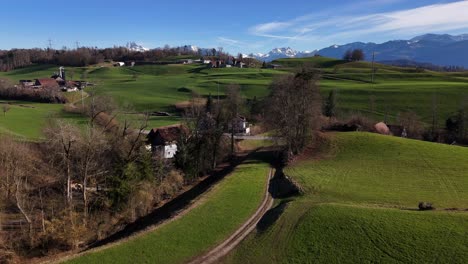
(47, 82)
(168, 133)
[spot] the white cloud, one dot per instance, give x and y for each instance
(229, 41)
(431, 18)
(266, 28)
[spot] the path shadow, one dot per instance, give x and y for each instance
(271, 216)
(173, 207)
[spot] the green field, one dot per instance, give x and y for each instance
(159, 87)
(152, 122)
(360, 206)
(230, 202)
(152, 88)
(26, 120)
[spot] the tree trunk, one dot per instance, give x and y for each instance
(20, 208)
(69, 191)
(85, 198)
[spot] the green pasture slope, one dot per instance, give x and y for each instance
(395, 89)
(26, 120)
(359, 206)
(220, 212)
(159, 87)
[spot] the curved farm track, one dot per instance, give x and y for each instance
(229, 244)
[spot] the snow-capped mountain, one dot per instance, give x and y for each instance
(135, 47)
(444, 50)
(440, 38)
(280, 53)
(189, 48)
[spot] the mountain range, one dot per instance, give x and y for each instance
(135, 47)
(437, 49)
(280, 53)
(444, 50)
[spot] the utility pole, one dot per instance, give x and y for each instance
(49, 44)
(77, 44)
(373, 70)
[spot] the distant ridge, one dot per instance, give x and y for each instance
(443, 50)
(437, 49)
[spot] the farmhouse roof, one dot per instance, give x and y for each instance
(47, 82)
(167, 133)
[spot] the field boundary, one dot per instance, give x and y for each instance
(229, 244)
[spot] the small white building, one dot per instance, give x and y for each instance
(241, 126)
(163, 140)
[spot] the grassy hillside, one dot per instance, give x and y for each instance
(394, 90)
(159, 87)
(219, 214)
(388, 171)
(360, 202)
(26, 120)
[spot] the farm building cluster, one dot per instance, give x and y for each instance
(58, 81)
(163, 140)
(228, 62)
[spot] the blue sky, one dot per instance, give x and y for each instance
(238, 26)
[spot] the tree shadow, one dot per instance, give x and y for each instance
(271, 216)
(174, 206)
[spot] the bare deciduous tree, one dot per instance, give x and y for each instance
(16, 167)
(62, 139)
(90, 160)
(102, 108)
(294, 107)
(5, 108)
(411, 122)
(232, 108)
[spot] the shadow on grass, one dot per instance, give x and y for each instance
(32, 69)
(271, 216)
(198, 70)
(174, 206)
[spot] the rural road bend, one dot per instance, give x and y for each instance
(229, 244)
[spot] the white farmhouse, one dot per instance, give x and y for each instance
(163, 140)
(241, 126)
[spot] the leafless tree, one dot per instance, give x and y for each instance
(5, 108)
(62, 139)
(232, 108)
(294, 107)
(101, 107)
(411, 122)
(90, 160)
(17, 166)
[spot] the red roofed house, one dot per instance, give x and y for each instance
(163, 140)
(46, 83)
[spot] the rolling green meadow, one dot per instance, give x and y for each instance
(150, 88)
(361, 194)
(361, 190)
(230, 202)
(26, 120)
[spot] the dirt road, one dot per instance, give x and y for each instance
(229, 244)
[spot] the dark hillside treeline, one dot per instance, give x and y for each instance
(83, 56)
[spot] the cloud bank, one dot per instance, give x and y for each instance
(431, 18)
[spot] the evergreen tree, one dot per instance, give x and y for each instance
(330, 104)
(209, 104)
